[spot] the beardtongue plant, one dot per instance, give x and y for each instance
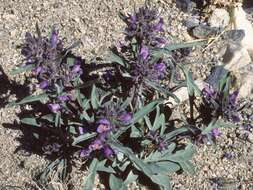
(125, 130)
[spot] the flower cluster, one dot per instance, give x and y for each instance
(144, 27)
(159, 141)
(220, 105)
(121, 124)
(47, 56)
(105, 127)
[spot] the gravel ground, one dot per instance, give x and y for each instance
(97, 25)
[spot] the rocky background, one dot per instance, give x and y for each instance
(224, 165)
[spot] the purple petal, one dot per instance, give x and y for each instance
(54, 107)
(54, 38)
(235, 118)
(108, 152)
(38, 70)
(96, 145)
(133, 19)
(161, 41)
(63, 98)
(44, 84)
(126, 117)
(144, 53)
(233, 97)
(81, 130)
(159, 26)
(103, 128)
(160, 67)
(85, 152)
(104, 121)
(216, 132)
(77, 69)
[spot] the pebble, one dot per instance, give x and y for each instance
(185, 5)
(204, 31)
(235, 36)
(250, 137)
(192, 22)
(219, 18)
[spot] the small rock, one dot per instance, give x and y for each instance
(216, 74)
(219, 18)
(242, 23)
(236, 57)
(185, 5)
(204, 31)
(192, 22)
(250, 137)
(234, 36)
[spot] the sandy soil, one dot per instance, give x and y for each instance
(96, 24)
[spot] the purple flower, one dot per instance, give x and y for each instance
(96, 145)
(63, 98)
(81, 130)
(54, 107)
(159, 26)
(208, 92)
(108, 76)
(126, 117)
(144, 53)
(160, 67)
(44, 84)
(162, 145)
(133, 19)
(77, 69)
(216, 132)
(161, 41)
(108, 152)
(104, 125)
(85, 152)
(56, 147)
(235, 118)
(246, 126)
(38, 70)
(152, 135)
(54, 38)
(232, 97)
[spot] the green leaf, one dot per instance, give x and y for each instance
(162, 90)
(30, 121)
(83, 138)
(156, 124)
(101, 167)
(188, 167)
(161, 180)
(171, 47)
(131, 177)
(57, 120)
(192, 87)
(175, 133)
(140, 165)
(32, 98)
(216, 124)
(116, 183)
(70, 61)
(62, 169)
(145, 110)
(22, 69)
(135, 132)
(160, 156)
(48, 117)
(182, 155)
(92, 174)
(116, 59)
(94, 98)
(163, 167)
